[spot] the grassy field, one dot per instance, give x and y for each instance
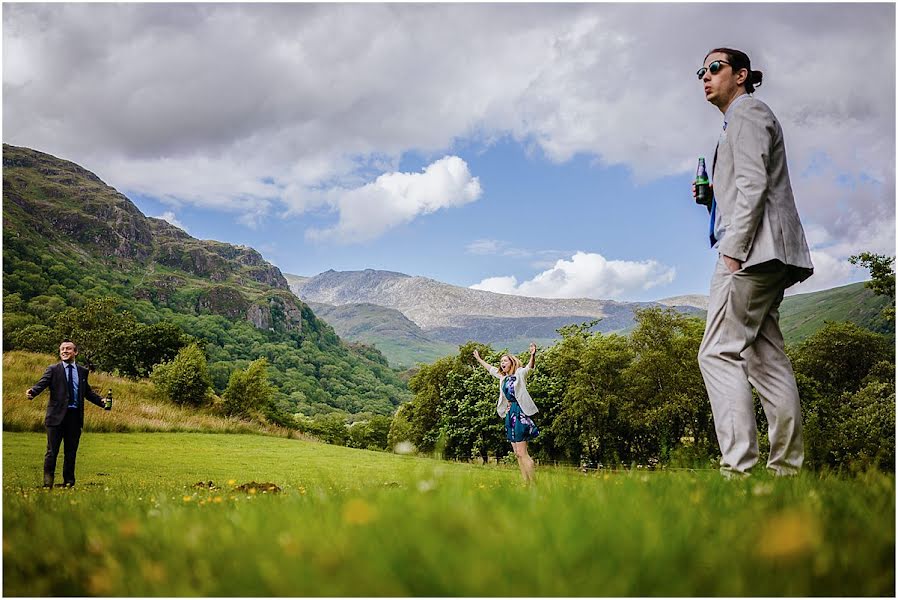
(357, 523)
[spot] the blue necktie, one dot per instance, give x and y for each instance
(713, 199)
(73, 401)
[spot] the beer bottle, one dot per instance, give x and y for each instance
(108, 400)
(702, 185)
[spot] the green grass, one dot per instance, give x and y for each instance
(356, 523)
(803, 315)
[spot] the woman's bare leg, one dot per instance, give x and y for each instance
(519, 454)
(525, 463)
(529, 465)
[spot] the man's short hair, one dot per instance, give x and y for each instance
(68, 341)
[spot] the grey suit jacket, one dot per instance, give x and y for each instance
(754, 194)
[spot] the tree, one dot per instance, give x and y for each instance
(427, 386)
(670, 401)
(370, 434)
(883, 278)
(400, 426)
(36, 337)
(151, 345)
(101, 331)
(248, 390)
(840, 355)
(331, 428)
(184, 380)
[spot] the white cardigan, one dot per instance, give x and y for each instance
(520, 392)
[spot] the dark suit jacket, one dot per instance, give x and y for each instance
(55, 378)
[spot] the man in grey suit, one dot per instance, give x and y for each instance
(65, 411)
(762, 251)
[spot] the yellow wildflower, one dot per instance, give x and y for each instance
(358, 512)
(789, 534)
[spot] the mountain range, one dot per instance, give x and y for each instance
(446, 316)
(417, 319)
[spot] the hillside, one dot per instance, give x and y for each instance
(803, 314)
(400, 340)
(69, 238)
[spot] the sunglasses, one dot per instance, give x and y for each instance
(714, 67)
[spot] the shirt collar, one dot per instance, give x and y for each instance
(726, 116)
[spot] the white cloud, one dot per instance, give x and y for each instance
(501, 285)
(259, 109)
(485, 247)
(543, 259)
(829, 271)
(392, 199)
(170, 217)
(585, 275)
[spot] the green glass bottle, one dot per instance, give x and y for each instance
(702, 184)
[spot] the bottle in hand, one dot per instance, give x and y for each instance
(108, 405)
(702, 185)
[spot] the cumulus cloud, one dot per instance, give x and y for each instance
(262, 109)
(585, 275)
(170, 217)
(395, 198)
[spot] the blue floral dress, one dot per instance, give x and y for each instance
(518, 426)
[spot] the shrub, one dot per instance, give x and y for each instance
(248, 390)
(371, 434)
(184, 380)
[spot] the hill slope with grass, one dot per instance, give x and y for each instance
(400, 340)
(135, 407)
(802, 315)
(69, 238)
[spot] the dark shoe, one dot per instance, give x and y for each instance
(68, 484)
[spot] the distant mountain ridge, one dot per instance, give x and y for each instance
(454, 315)
(432, 304)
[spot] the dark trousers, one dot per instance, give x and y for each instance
(69, 431)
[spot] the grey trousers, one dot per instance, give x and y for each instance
(743, 347)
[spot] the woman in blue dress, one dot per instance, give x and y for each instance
(515, 405)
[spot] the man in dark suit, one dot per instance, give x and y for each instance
(65, 411)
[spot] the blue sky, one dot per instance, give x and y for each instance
(535, 211)
(537, 149)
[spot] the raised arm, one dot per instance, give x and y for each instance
(41, 385)
(485, 364)
(532, 362)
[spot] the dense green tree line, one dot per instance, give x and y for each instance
(615, 400)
